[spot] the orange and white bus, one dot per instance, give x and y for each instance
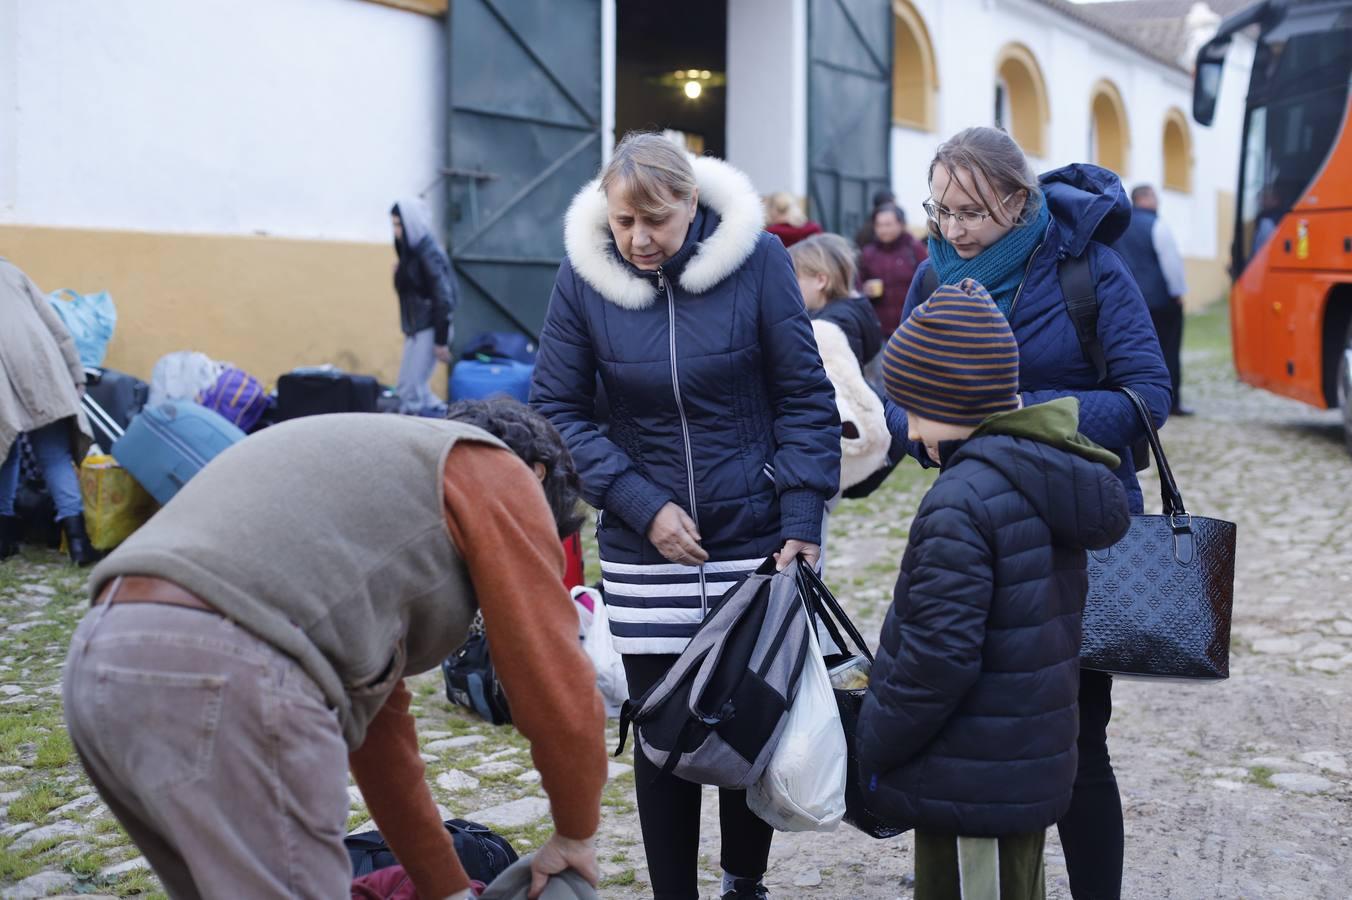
(1291, 259)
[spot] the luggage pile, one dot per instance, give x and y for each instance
(153, 437)
(494, 363)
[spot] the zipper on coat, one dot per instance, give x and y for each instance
(1026, 269)
(685, 428)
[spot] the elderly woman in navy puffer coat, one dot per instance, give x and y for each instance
(721, 444)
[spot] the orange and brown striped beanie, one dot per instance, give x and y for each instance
(954, 359)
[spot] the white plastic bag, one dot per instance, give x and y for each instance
(610, 678)
(803, 787)
(182, 375)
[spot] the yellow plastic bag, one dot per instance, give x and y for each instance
(115, 505)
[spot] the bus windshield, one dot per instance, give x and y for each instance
(1297, 101)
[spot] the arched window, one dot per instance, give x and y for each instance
(915, 77)
(1109, 138)
(1021, 106)
(1177, 152)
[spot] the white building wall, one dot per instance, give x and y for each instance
(297, 118)
(767, 93)
(967, 36)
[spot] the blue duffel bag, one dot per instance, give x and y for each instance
(482, 377)
(170, 442)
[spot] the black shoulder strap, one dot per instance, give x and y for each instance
(930, 283)
(1077, 287)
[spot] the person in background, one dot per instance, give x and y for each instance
(427, 301)
(1150, 251)
(967, 732)
(846, 330)
(992, 220)
(888, 263)
(824, 265)
(864, 236)
(41, 383)
(720, 448)
(784, 218)
(248, 646)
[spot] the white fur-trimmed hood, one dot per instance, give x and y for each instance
(723, 189)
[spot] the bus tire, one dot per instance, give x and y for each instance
(1345, 387)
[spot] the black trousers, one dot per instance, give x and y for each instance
(668, 812)
(1091, 832)
(1169, 327)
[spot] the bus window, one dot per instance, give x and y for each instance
(1297, 100)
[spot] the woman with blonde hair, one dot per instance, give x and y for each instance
(785, 219)
(720, 445)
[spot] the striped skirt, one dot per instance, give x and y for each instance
(658, 608)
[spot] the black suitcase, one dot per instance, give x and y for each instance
(117, 398)
(312, 392)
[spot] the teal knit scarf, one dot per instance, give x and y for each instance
(1000, 267)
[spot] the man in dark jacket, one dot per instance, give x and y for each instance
(968, 731)
(422, 278)
(1150, 251)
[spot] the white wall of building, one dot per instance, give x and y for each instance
(767, 93)
(296, 118)
(968, 35)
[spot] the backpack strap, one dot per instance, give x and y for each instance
(1077, 288)
(930, 282)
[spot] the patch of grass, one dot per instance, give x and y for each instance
(16, 867)
(618, 858)
(55, 750)
(1262, 776)
(16, 732)
(138, 883)
(35, 802)
(357, 817)
(620, 879)
(1209, 331)
(87, 864)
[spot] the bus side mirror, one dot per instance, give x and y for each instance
(1206, 80)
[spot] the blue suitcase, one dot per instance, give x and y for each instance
(169, 443)
(477, 379)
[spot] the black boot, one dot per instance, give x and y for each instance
(82, 553)
(9, 536)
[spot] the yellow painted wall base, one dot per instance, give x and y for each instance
(265, 304)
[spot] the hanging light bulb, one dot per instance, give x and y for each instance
(693, 90)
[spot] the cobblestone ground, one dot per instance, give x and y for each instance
(1233, 790)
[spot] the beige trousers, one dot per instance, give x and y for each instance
(216, 752)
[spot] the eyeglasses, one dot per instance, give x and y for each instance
(939, 214)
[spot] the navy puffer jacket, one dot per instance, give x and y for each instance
(1089, 209)
(717, 401)
(970, 721)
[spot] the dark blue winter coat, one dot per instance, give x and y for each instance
(728, 360)
(1089, 209)
(969, 725)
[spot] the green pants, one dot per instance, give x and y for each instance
(948, 867)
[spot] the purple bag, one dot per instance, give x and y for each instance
(237, 396)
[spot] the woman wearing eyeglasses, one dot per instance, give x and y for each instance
(991, 220)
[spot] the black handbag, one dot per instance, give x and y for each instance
(1160, 599)
(827, 610)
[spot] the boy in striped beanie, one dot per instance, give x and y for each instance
(952, 363)
(968, 731)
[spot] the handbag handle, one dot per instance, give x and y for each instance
(1169, 493)
(825, 601)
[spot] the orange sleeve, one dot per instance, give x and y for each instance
(505, 532)
(389, 771)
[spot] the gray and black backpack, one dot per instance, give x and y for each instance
(717, 714)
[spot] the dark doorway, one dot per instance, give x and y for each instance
(671, 70)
